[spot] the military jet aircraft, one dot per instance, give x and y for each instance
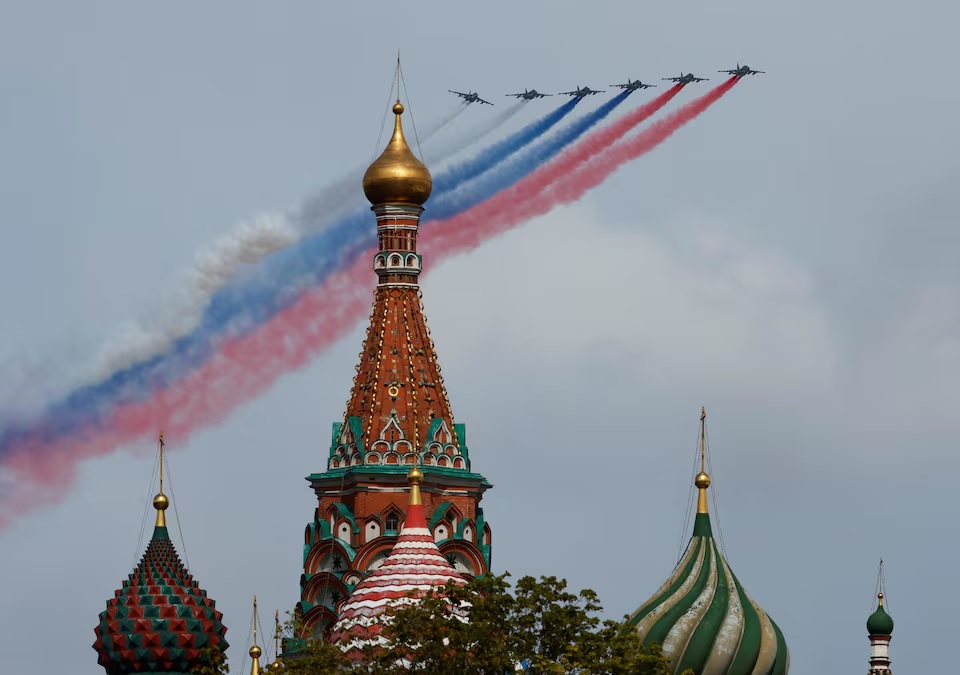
(740, 71)
(469, 97)
(686, 79)
(634, 85)
(529, 95)
(580, 92)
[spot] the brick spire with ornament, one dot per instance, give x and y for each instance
(398, 415)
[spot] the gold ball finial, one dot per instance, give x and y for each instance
(397, 176)
(880, 597)
(702, 480)
(415, 476)
(160, 502)
(255, 652)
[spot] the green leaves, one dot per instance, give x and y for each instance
(539, 623)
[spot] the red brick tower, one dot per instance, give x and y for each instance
(398, 410)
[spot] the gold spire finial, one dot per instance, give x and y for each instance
(160, 502)
(880, 598)
(397, 176)
(276, 665)
(414, 480)
(702, 481)
(255, 650)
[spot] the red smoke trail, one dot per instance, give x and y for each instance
(533, 196)
(249, 365)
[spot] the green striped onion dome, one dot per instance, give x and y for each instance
(704, 620)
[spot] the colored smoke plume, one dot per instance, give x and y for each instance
(563, 181)
(249, 364)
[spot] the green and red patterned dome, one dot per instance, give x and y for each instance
(160, 621)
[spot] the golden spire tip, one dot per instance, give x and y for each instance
(255, 650)
(160, 502)
(702, 480)
(414, 480)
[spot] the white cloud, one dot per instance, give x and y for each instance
(685, 300)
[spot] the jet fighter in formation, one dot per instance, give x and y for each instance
(686, 79)
(629, 85)
(580, 92)
(741, 71)
(633, 85)
(469, 97)
(529, 95)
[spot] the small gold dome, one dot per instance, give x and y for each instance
(397, 176)
(702, 480)
(255, 652)
(160, 502)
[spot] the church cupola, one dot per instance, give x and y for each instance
(702, 616)
(880, 630)
(414, 567)
(397, 176)
(398, 415)
(160, 620)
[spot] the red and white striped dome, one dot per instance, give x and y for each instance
(414, 567)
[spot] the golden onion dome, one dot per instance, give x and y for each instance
(397, 176)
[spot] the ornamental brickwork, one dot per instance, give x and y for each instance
(398, 415)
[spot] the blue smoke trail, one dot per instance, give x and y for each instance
(456, 175)
(238, 308)
(488, 183)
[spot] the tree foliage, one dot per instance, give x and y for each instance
(539, 624)
(212, 662)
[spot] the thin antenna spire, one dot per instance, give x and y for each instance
(255, 650)
(702, 481)
(160, 502)
(161, 462)
(703, 439)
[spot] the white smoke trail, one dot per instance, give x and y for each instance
(213, 267)
(226, 257)
(467, 137)
(432, 131)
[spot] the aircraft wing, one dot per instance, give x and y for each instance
(672, 79)
(458, 93)
(480, 100)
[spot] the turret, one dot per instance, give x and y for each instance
(702, 616)
(880, 630)
(160, 620)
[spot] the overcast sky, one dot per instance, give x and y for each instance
(788, 260)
